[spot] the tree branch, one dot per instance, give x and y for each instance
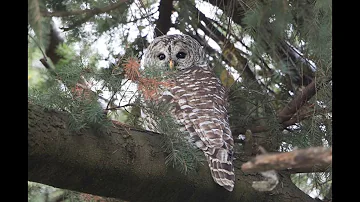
(229, 51)
(163, 24)
(236, 11)
(297, 159)
(120, 106)
(55, 41)
(92, 12)
(77, 23)
(127, 164)
(87, 17)
(314, 169)
(286, 114)
(288, 111)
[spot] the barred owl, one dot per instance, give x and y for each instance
(199, 101)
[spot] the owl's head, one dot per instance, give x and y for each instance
(177, 52)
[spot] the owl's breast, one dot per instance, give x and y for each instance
(197, 87)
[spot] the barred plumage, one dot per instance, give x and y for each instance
(199, 101)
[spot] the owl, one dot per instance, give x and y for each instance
(199, 101)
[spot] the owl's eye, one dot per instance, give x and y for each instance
(180, 55)
(161, 56)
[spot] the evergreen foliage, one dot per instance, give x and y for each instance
(266, 53)
(61, 91)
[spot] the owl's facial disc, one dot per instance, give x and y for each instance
(175, 52)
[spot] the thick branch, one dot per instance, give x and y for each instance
(163, 24)
(128, 164)
(297, 159)
(299, 100)
(92, 12)
(55, 41)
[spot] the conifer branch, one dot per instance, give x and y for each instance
(210, 30)
(42, 60)
(92, 12)
(298, 118)
(120, 106)
(237, 38)
(299, 100)
(77, 23)
(87, 17)
(283, 50)
(111, 101)
(38, 45)
(297, 159)
(286, 115)
(242, 63)
(38, 23)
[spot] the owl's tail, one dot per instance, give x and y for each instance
(222, 169)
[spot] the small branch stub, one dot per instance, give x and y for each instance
(297, 159)
(271, 178)
(270, 182)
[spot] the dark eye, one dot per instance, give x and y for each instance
(161, 56)
(180, 55)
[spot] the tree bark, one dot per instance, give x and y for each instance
(163, 24)
(128, 164)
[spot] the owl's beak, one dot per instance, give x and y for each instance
(171, 64)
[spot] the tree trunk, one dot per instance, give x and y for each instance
(129, 164)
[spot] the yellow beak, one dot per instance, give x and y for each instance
(171, 64)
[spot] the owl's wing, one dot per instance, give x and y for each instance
(200, 106)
